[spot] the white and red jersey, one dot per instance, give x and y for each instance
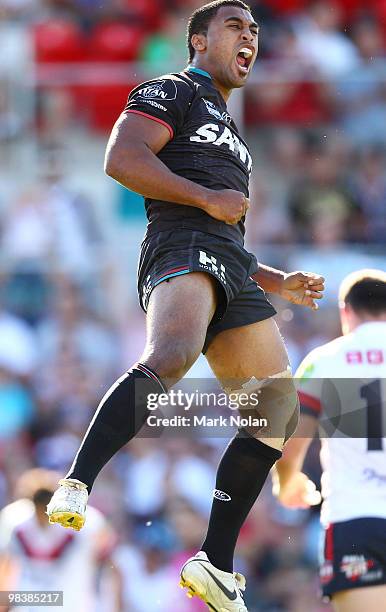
(51, 558)
(343, 383)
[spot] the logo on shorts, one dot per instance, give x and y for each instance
(146, 290)
(163, 90)
(355, 566)
(326, 572)
(221, 496)
(210, 263)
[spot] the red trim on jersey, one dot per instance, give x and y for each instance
(136, 112)
(329, 545)
(51, 555)
(308, 401)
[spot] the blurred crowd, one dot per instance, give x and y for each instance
(315, 118)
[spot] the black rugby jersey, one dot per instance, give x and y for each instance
(205, 147)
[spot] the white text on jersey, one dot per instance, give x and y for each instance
(206, 133)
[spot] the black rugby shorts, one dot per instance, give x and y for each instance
(167, 254)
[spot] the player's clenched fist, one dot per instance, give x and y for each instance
(226, 205)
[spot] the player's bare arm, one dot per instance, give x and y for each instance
(131, 159)
(301, 288)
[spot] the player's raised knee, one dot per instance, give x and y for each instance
(294, 411)
(281, 403)
(173, 360)
(276, 411)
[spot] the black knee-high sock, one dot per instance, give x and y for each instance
(119, 417)
(241, 474)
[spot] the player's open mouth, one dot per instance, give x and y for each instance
(243, 59)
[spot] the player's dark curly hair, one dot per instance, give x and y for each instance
(365, 291)
(199, 20)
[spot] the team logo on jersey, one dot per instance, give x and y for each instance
(210, 263)
(163, 90)
(221, 135)
(213, 110)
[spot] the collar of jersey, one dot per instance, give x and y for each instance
(199, 71)
(374, 325)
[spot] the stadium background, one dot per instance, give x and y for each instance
(314, 114)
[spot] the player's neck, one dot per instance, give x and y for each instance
(352, 325)
(203, 67)
(379, 319)
(225, 93)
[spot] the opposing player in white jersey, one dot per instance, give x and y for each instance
(36, 556)
(342, 388)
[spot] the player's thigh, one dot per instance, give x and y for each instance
(252, 353)
(178, 315)
(361, 599)
(255, 350)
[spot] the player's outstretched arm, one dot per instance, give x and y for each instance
(290, 485)
(301, 288)
(131, 159)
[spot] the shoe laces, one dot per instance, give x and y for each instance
(73, 484)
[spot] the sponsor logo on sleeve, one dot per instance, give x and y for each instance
(155, 104)
(160, 90)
